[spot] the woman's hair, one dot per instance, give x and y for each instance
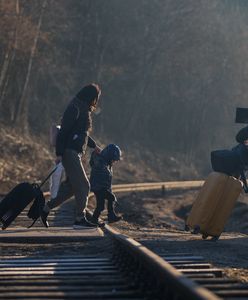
(90, 95)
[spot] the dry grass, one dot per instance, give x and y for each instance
(29, 158)
(22, 158)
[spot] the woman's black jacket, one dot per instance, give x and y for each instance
(74, 129)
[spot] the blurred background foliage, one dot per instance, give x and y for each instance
(172, 72)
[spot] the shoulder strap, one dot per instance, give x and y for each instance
(31, 225)
(37, 206)
(48, 176)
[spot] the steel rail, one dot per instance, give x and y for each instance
(173, 283)
(168, 278)
(165, 185)
(144, 186)
(169, 281)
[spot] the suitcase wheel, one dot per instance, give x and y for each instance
(197, 229)
(186, 227)
(215, 238)
(204, 236)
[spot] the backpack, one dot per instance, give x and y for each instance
(225, 161)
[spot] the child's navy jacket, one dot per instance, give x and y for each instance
(101, 171)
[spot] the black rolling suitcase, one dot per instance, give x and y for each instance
(18, 198)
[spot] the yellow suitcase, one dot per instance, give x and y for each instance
(213, 205)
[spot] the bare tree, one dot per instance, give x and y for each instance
(22, 112)
(10, 54)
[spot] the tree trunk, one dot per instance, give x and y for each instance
(22, 113)
(9, 57)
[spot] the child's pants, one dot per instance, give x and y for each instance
(101, 195)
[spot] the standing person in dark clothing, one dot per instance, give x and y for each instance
(71, 143)
(101, 181)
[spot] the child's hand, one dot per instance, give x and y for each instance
(246, 142)
(98, 149)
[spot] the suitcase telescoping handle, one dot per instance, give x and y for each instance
(48, 176)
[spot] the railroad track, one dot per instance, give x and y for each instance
(82, 277)
(177, 276)
(131, 271)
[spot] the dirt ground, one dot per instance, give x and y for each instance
(158, 222)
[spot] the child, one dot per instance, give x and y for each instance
(101, 181)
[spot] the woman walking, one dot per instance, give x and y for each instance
(72, 141)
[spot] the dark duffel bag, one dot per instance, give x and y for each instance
(225, 161)
(231, 162)
(18, 198)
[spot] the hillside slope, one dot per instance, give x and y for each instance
(29, 158)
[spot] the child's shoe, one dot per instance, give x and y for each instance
(112, 217)
(97, 222)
